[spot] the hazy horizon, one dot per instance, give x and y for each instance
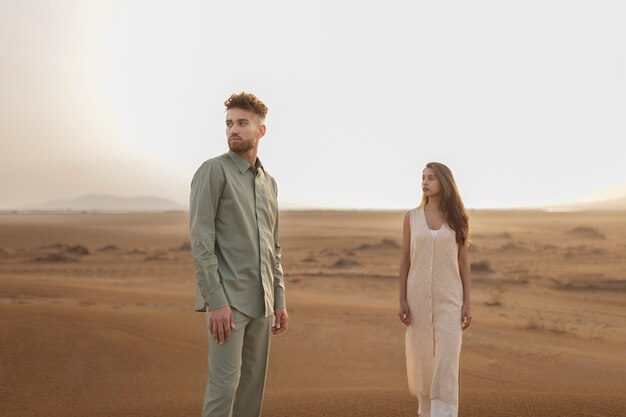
(524, 102)
(149, 203)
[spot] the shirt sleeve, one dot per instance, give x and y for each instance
(279, 281)
(206, 188)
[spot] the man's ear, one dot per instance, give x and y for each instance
(262, 129)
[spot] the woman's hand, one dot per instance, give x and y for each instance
(466, 315)
(403, 313)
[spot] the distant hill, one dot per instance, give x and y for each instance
(612, 204)
(105, 202)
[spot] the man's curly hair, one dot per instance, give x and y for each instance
(247, 101)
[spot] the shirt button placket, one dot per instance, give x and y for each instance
(259, 208)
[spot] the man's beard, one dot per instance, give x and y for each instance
(240, 146)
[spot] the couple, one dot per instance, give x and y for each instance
(234, 238)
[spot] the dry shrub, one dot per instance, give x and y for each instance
(108, 248)
(77, 250)
(345, 263)
(55, 258)
(383, 244)
(481, 266)
(388, 244)
(586, 232)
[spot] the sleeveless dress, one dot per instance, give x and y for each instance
(435, 299)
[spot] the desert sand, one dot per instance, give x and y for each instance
(96, 317)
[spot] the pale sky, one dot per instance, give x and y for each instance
(524, 101)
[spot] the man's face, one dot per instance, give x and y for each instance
(243, 130)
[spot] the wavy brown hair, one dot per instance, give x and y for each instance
(451, 204)
(247, 101)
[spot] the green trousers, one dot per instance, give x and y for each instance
(237, 369)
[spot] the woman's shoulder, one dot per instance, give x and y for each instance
(410, 212)
(410, 215)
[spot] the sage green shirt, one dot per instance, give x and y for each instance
(233, 228)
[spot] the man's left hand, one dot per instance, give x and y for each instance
(280, 321)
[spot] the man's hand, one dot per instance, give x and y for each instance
(220, 322)
(280, 321)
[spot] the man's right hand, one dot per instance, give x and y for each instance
(220, 322)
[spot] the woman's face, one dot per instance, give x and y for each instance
(430, 183)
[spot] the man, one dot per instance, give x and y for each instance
(234, 238)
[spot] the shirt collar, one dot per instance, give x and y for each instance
(241, 163)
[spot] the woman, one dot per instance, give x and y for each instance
(435, 292)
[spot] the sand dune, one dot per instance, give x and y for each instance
(114, 334)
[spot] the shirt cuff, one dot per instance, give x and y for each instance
(217, 300)
(279, 298)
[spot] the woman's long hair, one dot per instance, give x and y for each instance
(455, 214)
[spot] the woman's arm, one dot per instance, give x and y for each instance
(466, 279)
(405, 264)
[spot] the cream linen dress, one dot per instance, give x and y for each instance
(435, 299)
